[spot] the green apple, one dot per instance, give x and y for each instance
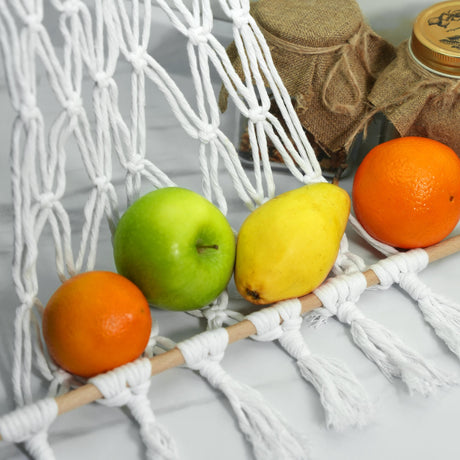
(177, 247)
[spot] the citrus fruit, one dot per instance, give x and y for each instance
(406, 192)
(96, 321)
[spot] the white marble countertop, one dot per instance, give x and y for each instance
(404, 427)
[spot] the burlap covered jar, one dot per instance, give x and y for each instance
(419, 92)
(328, 59)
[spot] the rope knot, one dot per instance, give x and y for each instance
(290, 312)
(47, 200)
(198, 35)
(71, 7)
(205, 347)
(257, 114)
(340, 294)
(138, 59)
(103, 79)
(215, 316)
(34, 22)
(120, 385)
(347, 312)
(240, 17)
(73, 104)
(207, 133)
(136, 164)
(267, 324)
(102, 183)
(29, 112)
(392, 269)
(28, 299)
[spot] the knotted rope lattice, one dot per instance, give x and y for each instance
(96, 40)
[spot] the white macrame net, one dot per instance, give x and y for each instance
(75, 51)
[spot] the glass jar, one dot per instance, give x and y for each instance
(418, 94)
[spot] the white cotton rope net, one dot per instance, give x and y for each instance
(73, 51)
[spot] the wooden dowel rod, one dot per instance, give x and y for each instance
(444, 248)
(89, 393)
(77, 398)
(172, 358)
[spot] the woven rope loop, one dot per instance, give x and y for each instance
(267, 324)
(340, 294)
(291, 339)
(209, 345)
(119, 385)
(27, 421)
(204, 352)
(290, 312)
(392, 269)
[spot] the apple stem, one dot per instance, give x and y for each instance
(201, 248)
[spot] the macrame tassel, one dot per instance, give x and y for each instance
(440, 312)
(29, 424)
(345, 401)
(270, 436)
(128, 385)
(391, 355)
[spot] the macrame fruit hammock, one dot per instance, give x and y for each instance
(97, 40)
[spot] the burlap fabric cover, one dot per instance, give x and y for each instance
(418, 102)
(328, 58)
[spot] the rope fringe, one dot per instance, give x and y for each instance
(344, 400)
(270, 436)
(440, 312)
(339, 296)
(128, 385)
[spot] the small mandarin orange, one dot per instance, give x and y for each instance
(406, 192)
(96, 321)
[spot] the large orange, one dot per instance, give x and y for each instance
(96, 321)
(406, 192)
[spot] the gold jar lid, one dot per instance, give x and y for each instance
(435, 40)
